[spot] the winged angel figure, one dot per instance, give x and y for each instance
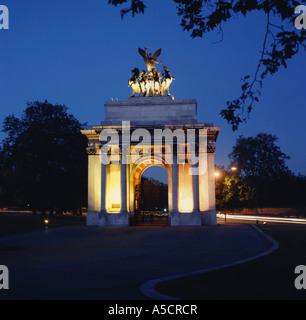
(150, 60)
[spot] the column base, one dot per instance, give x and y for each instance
(184, 219)
(113, 219)
(92, 218)
(209, 218)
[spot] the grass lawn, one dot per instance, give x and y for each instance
(267, 278)
(18, 223)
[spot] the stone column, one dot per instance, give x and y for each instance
(174, 184)
(211, 214)
(195, 191)
(97, 183)
(91, 182)
(92, 215)
(103, 188)
(123, 186)
(211, 181)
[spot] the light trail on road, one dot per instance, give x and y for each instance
(261, 218)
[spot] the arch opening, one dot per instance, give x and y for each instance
(151, 197)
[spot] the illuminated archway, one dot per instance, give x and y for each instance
(138, 130)
(152, 197)
(138, 169)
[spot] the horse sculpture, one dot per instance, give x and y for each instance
(133, 82)
(143, 83)
(157, 84)
(167, 80)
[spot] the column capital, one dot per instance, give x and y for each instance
(91, 151)
(211, 149)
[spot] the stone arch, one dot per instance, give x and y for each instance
(139, 167)
(191, 203)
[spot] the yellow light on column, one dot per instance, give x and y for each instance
(217, 174)
(113, 202)
(185, 201)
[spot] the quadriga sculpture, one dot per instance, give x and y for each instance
(149, 83)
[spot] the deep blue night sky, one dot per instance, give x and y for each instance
(81, 54)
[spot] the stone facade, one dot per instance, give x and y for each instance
(112, 196)
(151, 110)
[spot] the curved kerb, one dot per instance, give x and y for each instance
(147, 288)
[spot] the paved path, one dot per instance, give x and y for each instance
(112, 263)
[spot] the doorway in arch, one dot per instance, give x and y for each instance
(151, 196)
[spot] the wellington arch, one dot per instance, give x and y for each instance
(148, 130)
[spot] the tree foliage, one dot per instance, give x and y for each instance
(232, 191)
(281, 40)
(259, 156)
(262, 178)
(154, 195)
(43, 159)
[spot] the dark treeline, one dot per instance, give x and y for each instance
(43, 160)
(154, 195)
(43, 167)
(234, 191)
(261, 178)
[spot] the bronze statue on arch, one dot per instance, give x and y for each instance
(150, 82)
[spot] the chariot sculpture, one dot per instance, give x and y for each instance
(150, 82)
